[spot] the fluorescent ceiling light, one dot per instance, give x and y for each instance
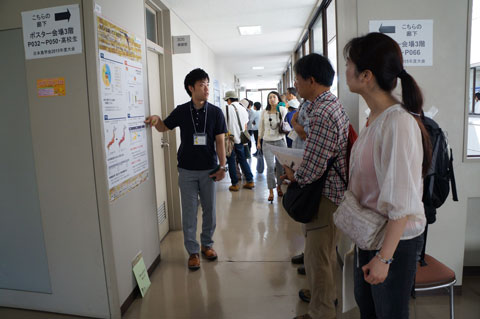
(251, 30)
(258, 68)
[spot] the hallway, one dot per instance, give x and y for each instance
(253, 277)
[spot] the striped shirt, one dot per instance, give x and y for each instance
(327, 138)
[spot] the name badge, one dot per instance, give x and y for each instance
(200, 139)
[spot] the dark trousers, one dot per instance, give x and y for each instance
(253, 133)
(238, 154)
(388, 300)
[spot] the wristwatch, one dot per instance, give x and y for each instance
(223, 168)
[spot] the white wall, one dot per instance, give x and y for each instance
(201, 56)
(62, 147)
(129, 223)
(443, 85)
(472, 234)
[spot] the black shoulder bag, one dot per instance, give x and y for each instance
(301, 203)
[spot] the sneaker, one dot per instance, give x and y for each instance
(298, 259)
(209, 253)
(301, 270)
(194, 262)
(249, 185)
(304, 295)
(234, 188)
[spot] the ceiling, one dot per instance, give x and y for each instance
(216, 22)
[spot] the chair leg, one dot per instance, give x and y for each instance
(452, 312)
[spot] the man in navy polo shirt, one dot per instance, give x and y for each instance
(202, 133)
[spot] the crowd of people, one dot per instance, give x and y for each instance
(387, 164)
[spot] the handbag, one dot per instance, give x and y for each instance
(229, 141)
(244, 135)
(364, 226)
(260, 162)
(283, 126)
(301, 203)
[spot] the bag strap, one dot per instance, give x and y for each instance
(238, 118)
(452, 178)
(228, 119)
(340, 175)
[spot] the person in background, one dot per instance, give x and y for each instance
(237, 119)
(387, 163)
(269, 130)
(254, 122)
(477, 102)
(292, 98)
(326, 143)
(247, 104)
(291, 111)
(202, 133)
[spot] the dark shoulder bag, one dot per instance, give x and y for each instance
(301, 203)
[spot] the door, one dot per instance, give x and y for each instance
(159, 140)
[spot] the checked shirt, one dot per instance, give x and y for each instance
(327, 138)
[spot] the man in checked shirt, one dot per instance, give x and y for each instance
(327, 140)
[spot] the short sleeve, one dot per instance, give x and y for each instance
(398, 157)
(220, 125)
(174, 118)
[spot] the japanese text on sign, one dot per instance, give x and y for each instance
(52, 32)
(415, 38)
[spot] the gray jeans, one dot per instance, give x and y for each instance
(192, 184)
(274, 168)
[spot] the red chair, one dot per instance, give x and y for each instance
(435, 275)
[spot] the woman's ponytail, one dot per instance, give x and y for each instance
(413, 101)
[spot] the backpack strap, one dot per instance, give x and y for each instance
(238, 118)
(228, 120)
(452, 178)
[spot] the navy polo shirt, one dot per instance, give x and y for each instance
(185, 116)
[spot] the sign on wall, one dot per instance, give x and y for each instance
(121, 87)
(415, 38)
(52, 32)
(181, 44)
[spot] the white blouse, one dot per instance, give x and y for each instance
(268, 128)
(386, 169)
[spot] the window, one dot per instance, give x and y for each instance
(151, 23)
(318, 35)
(473, 107)
(332, 43)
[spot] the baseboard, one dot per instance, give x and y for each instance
(136, 291)
(471, 271)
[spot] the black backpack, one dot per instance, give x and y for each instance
(436, 183)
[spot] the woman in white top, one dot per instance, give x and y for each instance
(268, 130)
(387, 164)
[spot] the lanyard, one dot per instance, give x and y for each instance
(193, 122)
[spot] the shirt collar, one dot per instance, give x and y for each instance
(192, 108)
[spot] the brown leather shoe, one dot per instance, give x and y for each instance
(209, 253)
(234, 188)
(249, 185)
(194, 262)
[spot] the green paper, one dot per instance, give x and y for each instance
(141, 275)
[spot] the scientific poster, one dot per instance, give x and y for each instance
(123, 107)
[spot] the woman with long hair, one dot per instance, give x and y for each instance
(269, 130)
(388, 161)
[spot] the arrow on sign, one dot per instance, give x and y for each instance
(63, 16)
(386, 29)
